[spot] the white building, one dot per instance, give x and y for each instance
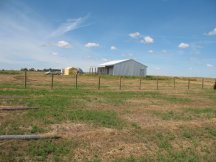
(127, 67)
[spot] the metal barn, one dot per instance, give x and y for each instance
(127, 67)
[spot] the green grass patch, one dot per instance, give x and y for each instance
(40, 150)
(36, 129)
(207, 131)
(202, 112)
(59, 105)
(103, 118)
(151, 77)
(121, 97)
(174, 99)
(187, 155)
(10, 72)
(186, 114)
(169, 115)
(163, 139)
(11, 127)
(118, 98)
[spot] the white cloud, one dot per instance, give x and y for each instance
(113, 48)
(69, 25)
(147, 40)
(105, 59)
(150, 51)
(23, 37)
(210, 65)
(54, 53)
(135, 35)
(183, 45)
(213, 32)
(63, 44)
(92, 45)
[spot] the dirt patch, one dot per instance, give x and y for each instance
(103, 143)
(71, 130)
(181, 144)
(145, 120)
(124, 150)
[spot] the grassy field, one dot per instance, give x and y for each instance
(136, 123)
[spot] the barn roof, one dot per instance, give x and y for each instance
(114, 62)
(111, 63)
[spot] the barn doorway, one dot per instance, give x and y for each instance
(142, 72)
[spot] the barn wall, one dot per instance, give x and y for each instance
(129, 68)
(110, 70)
(105, 70)
(102, 70)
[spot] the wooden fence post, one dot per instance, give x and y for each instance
(52, 81)
(120, 82)
(202, 83)
(188, 84)
(99, 82)
(174, 83)
(25, 79)
(157, 84)
(76, 81)
(140, 84)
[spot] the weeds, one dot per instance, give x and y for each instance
(186, 114)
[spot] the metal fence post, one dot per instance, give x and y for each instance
(140, 83)
(52, 81)
(99, 82)
(202, 83)
(120, 82)
(76, 80)
(25, 79)
(174, 83)
(188, 84)
(157, 84)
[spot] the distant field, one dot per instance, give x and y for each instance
(157, 120)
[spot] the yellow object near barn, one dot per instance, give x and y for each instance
(71, 71)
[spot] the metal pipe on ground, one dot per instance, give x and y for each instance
(27, 137)
(16, 108)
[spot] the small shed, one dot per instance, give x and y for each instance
(128, 67)
(72, 71)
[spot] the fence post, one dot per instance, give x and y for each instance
(52, 81)
(157, 84)
(76, 81)
(120, 82)
(174, 83)
(202, 83)
(188, 84)
(25, 79)
(140, 86)
(99, 82)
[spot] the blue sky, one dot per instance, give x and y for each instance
(171, 37)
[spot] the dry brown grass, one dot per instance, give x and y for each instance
(146, 131)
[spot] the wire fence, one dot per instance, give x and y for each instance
(40, 80)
